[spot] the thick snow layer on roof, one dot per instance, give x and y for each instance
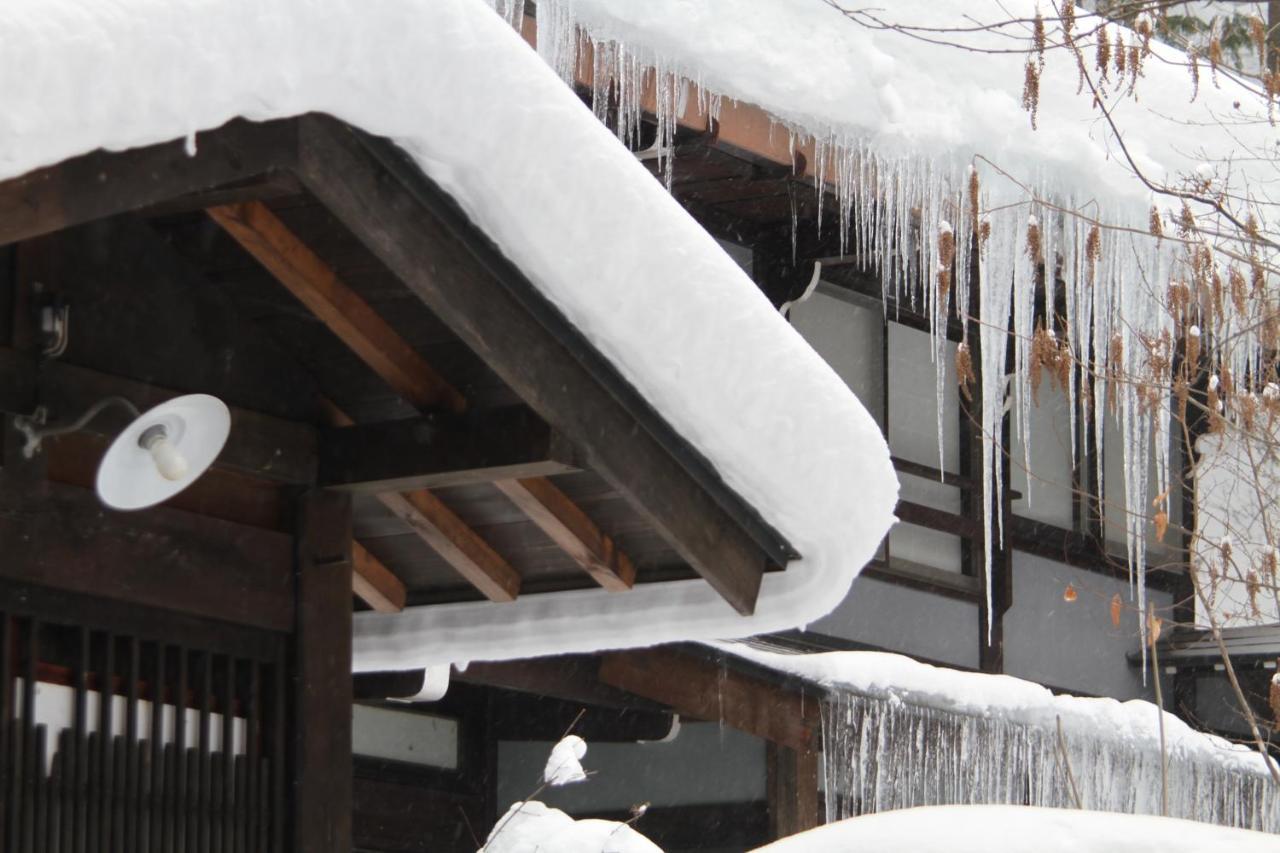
(532, 827)
(486, 118)
(1018, 829)
(882, 674)
(829, 76)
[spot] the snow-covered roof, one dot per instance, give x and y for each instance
(485, 118)
(1135, 723)
(931, 83)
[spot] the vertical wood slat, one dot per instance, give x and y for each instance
(7, 628)
(39, 832)
(80, 781)
(200, 830)
(180, 788)
(66, 789)
(106, 756)
(155, 825)
(229, 793)
(28, 768)
(276, 766)
(253, 738)
(131, 808)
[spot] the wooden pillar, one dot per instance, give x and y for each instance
(322, 695)
(792, 790)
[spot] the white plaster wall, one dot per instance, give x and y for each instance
(906, 620)
(850, 338)
(1073, 645)
(706, 763)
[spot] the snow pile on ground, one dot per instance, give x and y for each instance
(564, 764)
(533, 827)
(1019, 829)
(485, 117)
(899, 678)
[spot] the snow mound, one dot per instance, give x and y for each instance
(564, 764)
(533, 827)
(1019, 829)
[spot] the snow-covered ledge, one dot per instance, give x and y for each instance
(492, 124)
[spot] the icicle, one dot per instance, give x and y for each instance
(883, 753)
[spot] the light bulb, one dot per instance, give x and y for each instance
(171, 464)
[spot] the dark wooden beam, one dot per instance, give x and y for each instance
(569, 527)
(707, 691)
(791, 785)
(353, 320)
(322, 697)
(434, 452)
(573, 678)
(272, 185)
(260, 446)
(375, 584)
(61, 536)
(102, 184)
(422, 236)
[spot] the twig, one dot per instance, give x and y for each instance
(1164, 755)
(1066, 765)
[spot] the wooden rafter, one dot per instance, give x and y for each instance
(375, 584)
(316, 285)
(460, 546)
(569, 527)
(355, 322)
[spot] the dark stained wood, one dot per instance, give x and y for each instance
(62, 536)
(436, 452)
(141, 310)
(73, 460)
(459, 545)
(102, 184)
(318, 287)
(400, 223)
(261, 446)
(707, 691)
(375, 584)
(571, 529)
(572, 678)
(791, 784)
(321, 766)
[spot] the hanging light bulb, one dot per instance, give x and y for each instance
(171, 464)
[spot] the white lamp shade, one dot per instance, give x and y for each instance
(134, 477)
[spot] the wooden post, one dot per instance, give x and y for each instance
(792, 790)
(322, 695)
